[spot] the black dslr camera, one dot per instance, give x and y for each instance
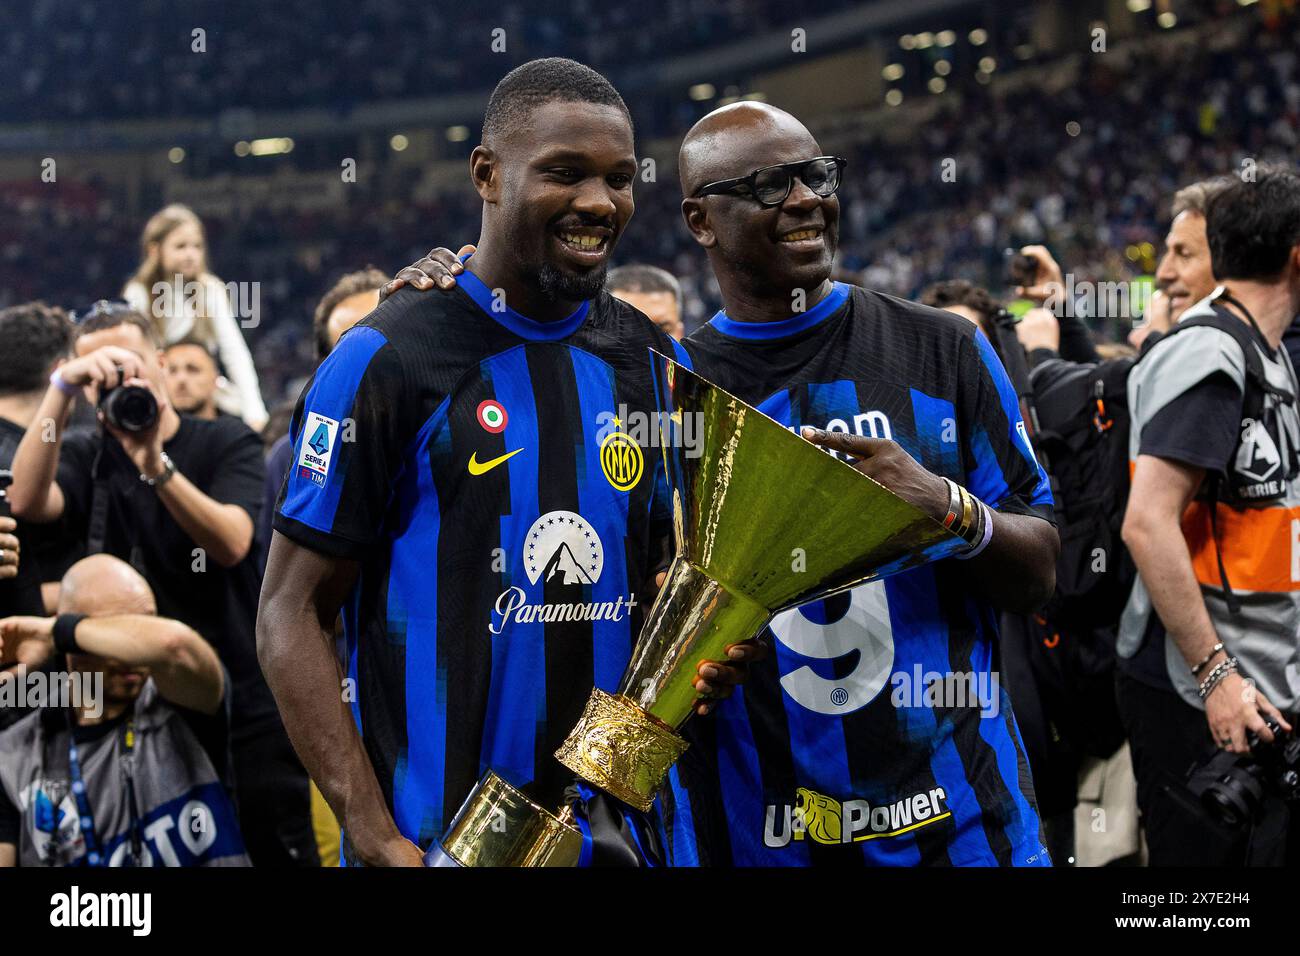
(1232, 787)
(132, 408)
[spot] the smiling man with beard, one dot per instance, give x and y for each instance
(448, 485)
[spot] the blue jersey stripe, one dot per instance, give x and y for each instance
(351, 628)
(936, 425)
(777, 407)
(521, 325)
(419, 775)
(680, 354)
(611, 640)
(1016, 434)
(817, 742)
(914, 613)
(986, 480)
(740, 785)
(517, 696)
(685, 847)
(1003, 737)
(831, 303)
(919, 626)
(332, 394)
(830, 401)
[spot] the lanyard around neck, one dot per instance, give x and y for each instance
(94, 852)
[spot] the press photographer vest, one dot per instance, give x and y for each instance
(1243, 526)
(184, 813)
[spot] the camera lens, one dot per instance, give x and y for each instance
(1235, 797)
(131, 408)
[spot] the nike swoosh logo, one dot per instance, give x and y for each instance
(477, 467)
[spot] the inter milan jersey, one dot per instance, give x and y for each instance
(491, 475)
(876, 732)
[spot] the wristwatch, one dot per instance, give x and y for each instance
(169, 469)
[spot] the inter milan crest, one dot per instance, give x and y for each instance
(621, 459)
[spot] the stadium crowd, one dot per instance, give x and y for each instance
(1090, 196)
(1090, 173)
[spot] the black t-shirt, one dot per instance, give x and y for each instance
(223, 458)
(1199, 428)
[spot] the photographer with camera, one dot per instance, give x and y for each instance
(177, 498)
(1208, 646)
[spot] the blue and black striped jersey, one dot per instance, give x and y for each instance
(484, 470)
(876, 732)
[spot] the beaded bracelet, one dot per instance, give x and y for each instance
(1201, 666)
(1216, 676)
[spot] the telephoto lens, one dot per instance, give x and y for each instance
(132, 408)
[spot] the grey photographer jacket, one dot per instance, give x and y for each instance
(185, 812)
(1257, 528)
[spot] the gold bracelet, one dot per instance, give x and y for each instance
(967, 512)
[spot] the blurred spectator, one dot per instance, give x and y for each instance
(136, 774)
(37, 338)
(652, 290)
(173, 286)
(1094, 196)
(1184, 276)
(349, 300)
(192, 378)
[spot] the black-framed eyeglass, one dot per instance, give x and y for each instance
(771, 185)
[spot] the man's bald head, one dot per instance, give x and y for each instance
(102, 584)
(757, 251)
(729, 141)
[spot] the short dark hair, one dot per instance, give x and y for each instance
(35, 336)
(543, 81)
(109, 315)
(643, 278)
(950, 292)
(363, 280)
(1252, 226)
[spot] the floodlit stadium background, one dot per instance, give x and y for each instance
(110, 110)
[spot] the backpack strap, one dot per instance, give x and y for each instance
(1254, 390)
(1247, 339)
(1229, 596)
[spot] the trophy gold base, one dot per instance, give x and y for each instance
(498, 826)
(620, 748)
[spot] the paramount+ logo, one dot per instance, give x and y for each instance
(818, 818)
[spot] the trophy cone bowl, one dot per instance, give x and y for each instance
(763, 520)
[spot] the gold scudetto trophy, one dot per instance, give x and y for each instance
(748, 497)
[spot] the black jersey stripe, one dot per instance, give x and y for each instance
(568, 661)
